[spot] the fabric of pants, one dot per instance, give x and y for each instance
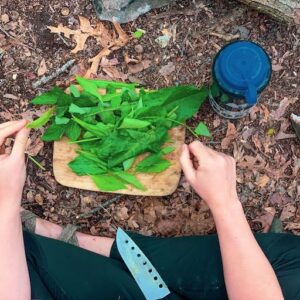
(190, 266)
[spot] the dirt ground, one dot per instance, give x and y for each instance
(263, 143)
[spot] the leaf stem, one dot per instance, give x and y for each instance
(36, 162)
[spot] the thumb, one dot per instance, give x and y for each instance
(20, 143)
(187, 164)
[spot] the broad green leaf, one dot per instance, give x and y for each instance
(99, 130)
(92, 157)
(54, 133)
(108, 182)
(131, 179)
(42, 120)
(83, 166)
(48, 98)
(153, 163)
(139, 33)
(61, 120)
(167, 150)
(134, 123)
(75, 109)
(127, 164)
(89, 86)
(215, 90)
(202, 129)
(104, 84)
(73, 131)
(74, 91)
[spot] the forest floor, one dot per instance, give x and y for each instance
(263, 143)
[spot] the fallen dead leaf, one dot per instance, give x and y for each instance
(34, 147)
(277, 67)
(121, 213)
(292, 226)
(288, 212)
(266, 219)
(230, 136)
(283, 105)
(262, 181)
(114, 73)
(217, 122)
(167, 70)
(109, 40)
(278, 199)
(136, 68)
(42, 68)
(39, 199)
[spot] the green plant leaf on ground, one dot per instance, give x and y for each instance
(139, 33)
(42, 120)
(75, 109)
(127, 164)
(202, 129)
(108, 182)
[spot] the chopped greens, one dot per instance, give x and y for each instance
(113, 127)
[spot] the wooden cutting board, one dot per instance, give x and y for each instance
(159, 184)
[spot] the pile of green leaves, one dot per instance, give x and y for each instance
(113, 129)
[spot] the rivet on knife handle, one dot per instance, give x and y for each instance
(144, 273)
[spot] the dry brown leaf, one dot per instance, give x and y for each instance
(283, 105)
(256, 141)
(266, 218)
(288, 212)
(216, 122)
(107, 39)
(129, 60)
(150, 215)
(121, 213)
(277, 67)
(278, 199)
(230, 136)
(292, 226)
(252, 162)
(262, 181)
(167, 69)
(108, 62)
(42, 68)
(34, 147)
(114, 73)
(136, 68)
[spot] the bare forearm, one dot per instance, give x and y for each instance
(248, 273)
(14, 277)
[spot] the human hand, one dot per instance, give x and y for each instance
(214, 179)
(12, 166)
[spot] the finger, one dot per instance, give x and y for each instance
(10, 129)
(20, 143)
(8, 124)
(187, 164)
(200, 151)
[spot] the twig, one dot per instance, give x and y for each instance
(100, 207)
(36, 162)
(56, 73)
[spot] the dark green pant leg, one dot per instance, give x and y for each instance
(69, 272)
(283, 252)
(192, 266)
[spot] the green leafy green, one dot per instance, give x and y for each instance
(108, 182)
(54, 133)
(42, 120)
(83, 166)
(202, 129)
(112, 127)
(153, 163)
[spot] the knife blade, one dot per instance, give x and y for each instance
(144, 273)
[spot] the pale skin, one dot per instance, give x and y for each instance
(251, 278)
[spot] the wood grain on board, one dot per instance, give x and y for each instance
(157, 184)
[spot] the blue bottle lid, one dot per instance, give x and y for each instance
(243, 69)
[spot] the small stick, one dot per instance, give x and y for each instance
(56, 73)
(101, 206)
(36, 162)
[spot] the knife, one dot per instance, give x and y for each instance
(144, 273)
